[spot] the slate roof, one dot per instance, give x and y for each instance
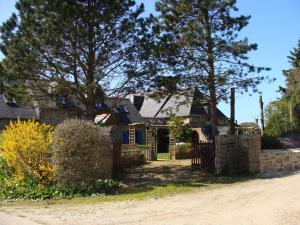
(15, 111)
(131, 115)
(191, 104)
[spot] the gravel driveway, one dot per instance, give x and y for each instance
(271, 201)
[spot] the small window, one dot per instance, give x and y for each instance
(10, 101)
(99, 106)
(122, 109)
(61, 100)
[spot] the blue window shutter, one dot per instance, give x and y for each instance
(125, 137)
(139, 137)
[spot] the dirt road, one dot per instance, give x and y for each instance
(273, 201)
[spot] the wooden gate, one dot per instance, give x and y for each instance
(203, 156)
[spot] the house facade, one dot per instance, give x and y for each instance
(192, 107)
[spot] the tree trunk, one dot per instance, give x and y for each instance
(211, 74)
(232, 111)
(262, 120)
(90, 109)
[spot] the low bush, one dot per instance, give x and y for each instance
(31, 189)
(183, 151)
(82, 153)
(270, 142)
(25, 147)
(186, 147)
(132, 160)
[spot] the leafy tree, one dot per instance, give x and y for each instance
(179, 129)
(198, 46)
(291, 92)
(87, 47)
(278, 123)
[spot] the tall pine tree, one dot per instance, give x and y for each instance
(198, 44)
(87, 47)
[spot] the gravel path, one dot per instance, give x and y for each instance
(272, 201)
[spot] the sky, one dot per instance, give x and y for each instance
(274, 26)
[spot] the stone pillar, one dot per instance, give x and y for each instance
(237, 154)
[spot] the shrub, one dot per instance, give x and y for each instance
(178, 129)
(183, 151)
(269, 142)
(25, 148)
(132, 160)
(31, 189)
(82, 153)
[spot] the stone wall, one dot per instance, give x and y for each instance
(131, 155)
(237, 154)
(279, 160)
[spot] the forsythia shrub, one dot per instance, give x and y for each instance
(25, 147)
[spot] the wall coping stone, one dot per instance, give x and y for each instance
(274, 151)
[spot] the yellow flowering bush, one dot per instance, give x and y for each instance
(26, 149)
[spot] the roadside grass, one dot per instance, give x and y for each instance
(137, 193)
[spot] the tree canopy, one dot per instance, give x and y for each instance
(283, 115)
(88, 47)
(198, 45)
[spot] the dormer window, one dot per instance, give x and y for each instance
(99, 106)
(61, 100)
(10, 101)
(122, 109)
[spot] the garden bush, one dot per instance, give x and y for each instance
(270, 142)
(31, 189)
(25, 147)
(82, 153)
(183, 151)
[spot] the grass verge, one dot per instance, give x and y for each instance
(141, 192)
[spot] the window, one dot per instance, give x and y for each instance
(122, 109)
(10, 101)
(99, 106)
(60, 100)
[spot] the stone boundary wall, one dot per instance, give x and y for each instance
(131, 155)
(236, 154)
(279, 160)
(130, 150)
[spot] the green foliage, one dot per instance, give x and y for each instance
(163, 156)
(185, 147)
(278, 121)
(142, 147)
(178, 129)
(198, 42)
(294, 57)
(269, 142)
(183, 151)
(81, 152)
(31, 189)
(81, 45)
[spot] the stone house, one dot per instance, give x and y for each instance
(192, 107)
